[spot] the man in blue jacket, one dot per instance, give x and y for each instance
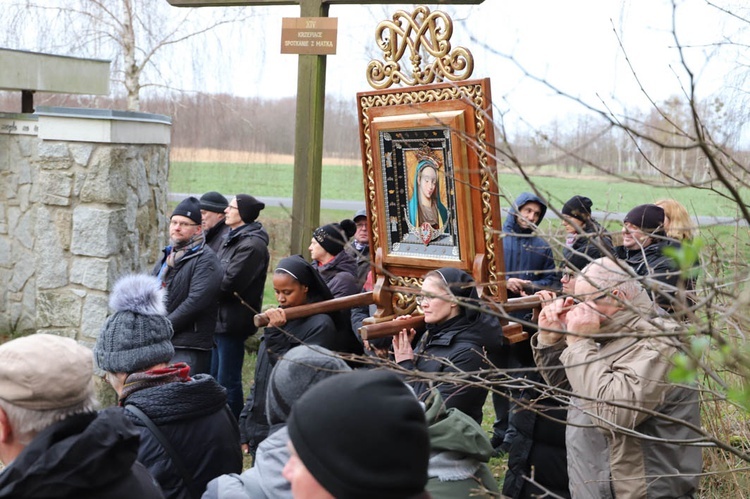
(529, 267)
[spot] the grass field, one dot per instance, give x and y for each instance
(345, 183)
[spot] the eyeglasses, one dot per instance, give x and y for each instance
(422, 299)
(577, 301)
(175, 223)
(361, 226)
(232, 207)
(567, 275)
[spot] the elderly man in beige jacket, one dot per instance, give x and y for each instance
(629, 429)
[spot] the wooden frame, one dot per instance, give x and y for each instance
(450, 125)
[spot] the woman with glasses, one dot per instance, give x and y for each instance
(458, 339)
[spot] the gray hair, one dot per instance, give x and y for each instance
(27, 423)
(608, 274)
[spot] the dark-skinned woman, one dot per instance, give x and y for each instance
(295, 283)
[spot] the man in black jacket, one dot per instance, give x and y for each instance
(244, 259)
(215, 229)
(52, 441)
(191, 273)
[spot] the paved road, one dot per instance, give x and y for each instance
(353, 206)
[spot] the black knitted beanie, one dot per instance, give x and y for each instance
(362, 435)
(333, 237)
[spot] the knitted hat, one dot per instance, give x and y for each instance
(362, 435)
(299, 369)
(138, 335)
(360, 214)
(213, 201)
(333, 237)
(578, 207)
(647, 217)
(190, 208)
(248, 207)
(44, 371)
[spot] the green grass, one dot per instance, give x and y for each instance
(339, 182)
(345, 183)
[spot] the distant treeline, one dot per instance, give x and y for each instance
(571, 144)
(226, 122)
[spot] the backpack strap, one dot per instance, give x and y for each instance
(173, 455)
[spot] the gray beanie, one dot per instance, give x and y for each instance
(299, 369)
(138, 335)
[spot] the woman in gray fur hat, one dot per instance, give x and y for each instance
(134, 349)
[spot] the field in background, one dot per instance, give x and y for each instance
(197, 171)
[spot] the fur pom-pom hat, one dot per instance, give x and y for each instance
(138, 334)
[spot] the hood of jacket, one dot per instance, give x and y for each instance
(453, 431)
(511, 223)
(76, 456)
(253, 229)
(343, 262)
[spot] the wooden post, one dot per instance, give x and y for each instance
(308, 138)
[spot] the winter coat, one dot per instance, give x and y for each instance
(264, 480)
(457, 345)
(244, 259)
(194, 418)
(459, 452)
(528, 256)
(340, 274)
(316, 329)
(651, 261)
(192, 290)
(538, 447)
(604, 461)
(593, 243)
(362, 258)
(215, 235)
(85, 456)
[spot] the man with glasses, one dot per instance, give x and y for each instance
(360, 246)
(191, 274)
(628, 426)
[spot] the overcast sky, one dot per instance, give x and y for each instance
(572, 44)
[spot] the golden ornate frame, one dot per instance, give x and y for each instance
(484, 260)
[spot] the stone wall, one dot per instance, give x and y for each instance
(83, 201)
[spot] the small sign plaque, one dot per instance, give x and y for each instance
(309, 35)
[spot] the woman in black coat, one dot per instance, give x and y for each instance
(459, 337)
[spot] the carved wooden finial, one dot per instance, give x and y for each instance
(421, 32)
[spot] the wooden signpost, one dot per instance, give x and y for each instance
(308, 140)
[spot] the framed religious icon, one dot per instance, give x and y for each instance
(431, 185)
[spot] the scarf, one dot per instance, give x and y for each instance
(176, 373)
(178, 252)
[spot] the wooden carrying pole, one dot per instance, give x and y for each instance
(512, 330)
(322, 307)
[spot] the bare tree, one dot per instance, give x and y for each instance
(143, 38)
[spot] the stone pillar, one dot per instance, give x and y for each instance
(83, 201)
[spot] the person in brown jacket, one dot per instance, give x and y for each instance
(628, 427)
